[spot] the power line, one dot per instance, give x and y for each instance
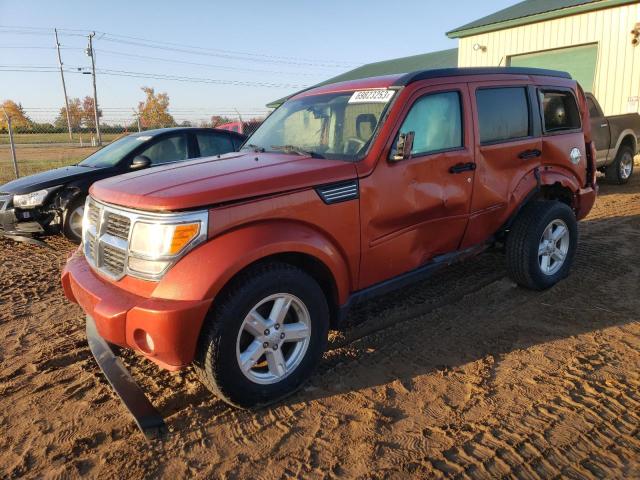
(197, 50)
(152, 76)
(224, 67)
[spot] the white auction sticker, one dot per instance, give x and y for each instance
(372, 96)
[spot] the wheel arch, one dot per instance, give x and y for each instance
(220, 260)
(627, 138)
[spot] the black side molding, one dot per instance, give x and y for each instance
(145, 415)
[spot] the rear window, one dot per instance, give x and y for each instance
(214, 144)
(503, 114)
(560, 111)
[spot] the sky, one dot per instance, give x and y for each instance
(266, 49)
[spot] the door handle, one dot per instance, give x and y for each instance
(462, 167)
(603, 125)
(527, 154)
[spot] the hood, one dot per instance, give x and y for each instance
(50, 178)
(213, 180)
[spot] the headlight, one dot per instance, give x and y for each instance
(30, 200)
(153, 240)
(155, 246)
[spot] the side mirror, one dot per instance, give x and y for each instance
(140, 161)
(403, 147)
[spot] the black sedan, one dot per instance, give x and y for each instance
(53, 201)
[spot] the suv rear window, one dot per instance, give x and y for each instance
(560, 111)
(503, 114)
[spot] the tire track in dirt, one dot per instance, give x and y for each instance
(465, 375)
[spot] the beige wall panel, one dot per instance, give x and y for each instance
(618, 66)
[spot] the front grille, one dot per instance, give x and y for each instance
(105, 236)
(113, 260)
(5, 199)
(117, 225)
(106, 239)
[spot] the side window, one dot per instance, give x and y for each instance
(560, 111)
(593, 110)
(503, 114)
(213, 144)
(171, 149)
(436, 120)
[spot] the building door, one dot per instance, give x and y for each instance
(580, 62)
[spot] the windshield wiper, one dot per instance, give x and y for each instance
(255, 148)
(298, 150)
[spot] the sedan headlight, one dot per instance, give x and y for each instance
(30, 200)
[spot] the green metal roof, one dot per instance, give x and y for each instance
(531, 11)
(441, 59)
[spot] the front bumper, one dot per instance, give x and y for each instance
(586, 199)
(10, 224)
(145, 415)
(164, 331)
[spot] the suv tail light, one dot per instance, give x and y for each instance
(591, 164)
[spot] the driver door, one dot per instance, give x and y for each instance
(418, 208)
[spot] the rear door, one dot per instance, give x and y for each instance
(508, 147)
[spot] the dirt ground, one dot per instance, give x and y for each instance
(464, 376)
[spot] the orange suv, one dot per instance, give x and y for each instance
(240, 263)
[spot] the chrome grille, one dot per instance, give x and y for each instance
(4, 201)
(117, 225)
(105, 236)
(113, 260)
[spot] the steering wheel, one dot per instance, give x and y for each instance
(359, 143)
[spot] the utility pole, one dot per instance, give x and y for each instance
(13, 145)
(91, 53)
(64, 86)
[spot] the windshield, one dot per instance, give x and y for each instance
(336, 126)
(110, 155)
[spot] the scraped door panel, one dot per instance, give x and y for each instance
(415, 209)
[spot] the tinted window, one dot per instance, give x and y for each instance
(437, 123)
(560, 111)
(503, 114)
(593, 110)
(213, 144)
(169, 149)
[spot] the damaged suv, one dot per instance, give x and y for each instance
(240, 265)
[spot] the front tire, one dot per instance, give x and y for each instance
(620, 171)
(542, 244)
(264, 336)
(72, 223)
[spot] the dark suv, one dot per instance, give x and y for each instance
(53, 201)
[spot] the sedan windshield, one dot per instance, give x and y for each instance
(110, 155)
(336, 126)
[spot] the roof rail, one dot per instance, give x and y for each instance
(452, 72)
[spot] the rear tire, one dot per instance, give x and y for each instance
(542, 244)
(264, 336)
(620, 171)
(72, 220)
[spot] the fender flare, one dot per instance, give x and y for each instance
(624, 134)
(532, 182)
(204, 271)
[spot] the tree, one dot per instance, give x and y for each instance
(219, 120)
(88, 115)
(76, 115)
(154, 111)
(19, 118)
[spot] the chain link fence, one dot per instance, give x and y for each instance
(40, 146)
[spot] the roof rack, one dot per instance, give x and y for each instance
(452, 72)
